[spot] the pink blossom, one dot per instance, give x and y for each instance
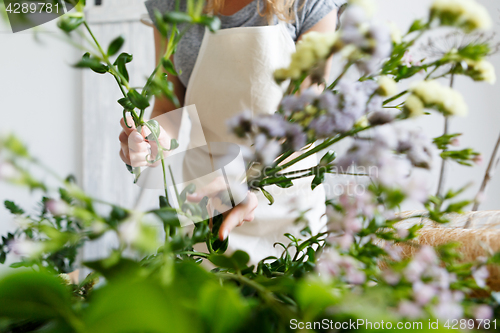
(414, 270)
(409, 310)
(345, 241)
(423, 293)
(57, 207)
(483, 312)
(480, 275)
(7, 171)
(448, 310)
(478, 159)
(402, 232)
(355, 276)
(26, 247)
(391, 277)
(455, 142)
(426, 255)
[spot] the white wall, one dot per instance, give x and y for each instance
(40, 101)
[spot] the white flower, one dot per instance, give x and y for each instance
(448, 310)
(57, 207)
(480, 275)
(414, 106)
(423, 293)
(313, 48)
(444, 99)
(409, 310)
(466, 14)
(369, 6)
(396, 35)
(483, 312)
(65, 278)
(482, 70)
(387, 86)
(7, 171)
(26, 247)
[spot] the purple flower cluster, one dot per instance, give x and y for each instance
(333, 264)
(390, 154)
(372, 41)
(271, 134)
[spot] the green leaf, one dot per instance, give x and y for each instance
(328, 158)
(187, 190)
(16, 146)
(121, 64)
(92, 63)
(168, 216)
(416, 25)
(177, 17)
(154, 127)
(115, 45)
(141, 306)
(13, 208)
(211, 22)
(318, 180)
(164, 202)
(237, 261)
(140, 101)
(160, 25)
(69, 23)
(174, 144)
(115, 267)
(168, 65)
(35, 296)
(224, 316)
(126, 103)
(268, 196)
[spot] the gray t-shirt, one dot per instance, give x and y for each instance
(307, 14)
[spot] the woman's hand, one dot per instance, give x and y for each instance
(233, 217)
(135, 149)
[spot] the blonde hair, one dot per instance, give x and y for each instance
(283, 9)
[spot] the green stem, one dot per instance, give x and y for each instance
(344, 70)
(387, 101)
(164, 178)
(323, 145)
(194, 253)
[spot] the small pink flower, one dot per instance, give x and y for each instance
(391, 277)
(455, 142)
(426, 255)
(7, 171)
(345, 241)
(483, 312)
(423, 293)
(409, 310)
(478, 159)
(448, 310)
(402, 232)
(355, 276)
(57, 207)
(480, 275)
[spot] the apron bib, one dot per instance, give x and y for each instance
(234, 73)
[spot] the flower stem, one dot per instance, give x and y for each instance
(488, 174)
(443, 161)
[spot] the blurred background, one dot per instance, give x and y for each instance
(69, 118)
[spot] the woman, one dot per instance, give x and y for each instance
(229, 72)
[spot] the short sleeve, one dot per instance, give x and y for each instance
(310, 12)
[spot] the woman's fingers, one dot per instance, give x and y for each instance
(243, 212)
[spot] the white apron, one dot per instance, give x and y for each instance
(234, 73)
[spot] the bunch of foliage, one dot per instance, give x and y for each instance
(352, 272)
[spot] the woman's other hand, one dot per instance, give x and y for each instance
(232, 217)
